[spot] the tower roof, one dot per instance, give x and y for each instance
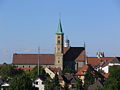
(59, 31)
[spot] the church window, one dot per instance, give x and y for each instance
(58, 41)
(58, 36)
(58, 61)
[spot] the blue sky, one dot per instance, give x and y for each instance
(27, 24)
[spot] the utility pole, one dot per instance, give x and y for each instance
(38, 61)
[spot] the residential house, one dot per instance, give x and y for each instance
(39, 82)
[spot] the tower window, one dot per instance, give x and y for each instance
(58, 49)
(58, 61)
(58, 36)
(58, 41)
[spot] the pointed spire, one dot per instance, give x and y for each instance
(59, 31)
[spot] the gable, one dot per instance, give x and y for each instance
(74, 54)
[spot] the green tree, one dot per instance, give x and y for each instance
(21, 82)
(79, 84)
(9, 71)
(113, 82)
(52, 84)
(101, 71)
(34, 73)
(89, 78)
(48, 84)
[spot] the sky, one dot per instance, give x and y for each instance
(27, 24)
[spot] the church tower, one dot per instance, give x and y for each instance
(59, 47)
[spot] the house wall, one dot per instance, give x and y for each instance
(82, 78)
(81, 64)
(32, 66)
(52, 75)
(39, 84)
(106, 69)
(62, 83)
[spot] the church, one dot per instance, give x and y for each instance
(64, 55)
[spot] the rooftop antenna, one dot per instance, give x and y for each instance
(38, 61)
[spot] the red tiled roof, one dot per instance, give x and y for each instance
(94, 61)
(33, 59)
(60, 77)
(80, 72)
(55, 69)
(82, 56)
(106, 75)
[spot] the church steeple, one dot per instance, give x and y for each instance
(59, 44)
(59, 31)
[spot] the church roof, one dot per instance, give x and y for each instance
(45, 59)
(74, 54)
(59, 31)
(70, 53)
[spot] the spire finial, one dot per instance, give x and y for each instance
(59, 15)
(59, 31)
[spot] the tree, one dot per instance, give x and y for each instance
(34, 73)
(56, 82)
(89, 78)
(9, 71)
(101, 71)
(48, 84)
(52, 84)
(113, 82)
(21, 82)
(79, 84)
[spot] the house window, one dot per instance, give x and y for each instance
(29, 66)
(36, 83)
(23, 66)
